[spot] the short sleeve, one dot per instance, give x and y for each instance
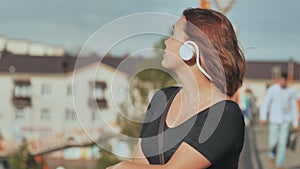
(226, 139)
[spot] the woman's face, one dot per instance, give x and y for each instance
(171, 59)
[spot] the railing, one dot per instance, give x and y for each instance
(102, 103)
(21, 102)
(63, 140)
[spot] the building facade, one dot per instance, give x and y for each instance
(44, 98)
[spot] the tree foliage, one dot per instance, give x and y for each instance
(107, 159)
(22, 160)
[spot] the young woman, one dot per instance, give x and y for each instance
(196, 125)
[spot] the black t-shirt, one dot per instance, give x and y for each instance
(216, 132)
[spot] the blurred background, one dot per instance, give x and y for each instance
(41, 41)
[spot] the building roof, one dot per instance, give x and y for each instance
(264, 69)
(10, 63)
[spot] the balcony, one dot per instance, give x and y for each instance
(21, 102)
(102, 103)
(21, 96)
(97, 98)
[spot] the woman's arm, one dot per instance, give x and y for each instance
(184, 157)
(264, 109)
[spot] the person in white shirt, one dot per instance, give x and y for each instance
(281, 104)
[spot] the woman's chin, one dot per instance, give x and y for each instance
(163, 63)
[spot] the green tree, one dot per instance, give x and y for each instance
(22, 160)
(106, 159)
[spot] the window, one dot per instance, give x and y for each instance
(45, 115)
(99, 94)
(22, 89)
(95, 115)
(99, 89)
(46, 89)
(21, 94)
(70, 115)
(20, 114)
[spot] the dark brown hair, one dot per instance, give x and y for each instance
(220, 53)
(284, 75)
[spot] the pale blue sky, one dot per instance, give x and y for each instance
(268, 30)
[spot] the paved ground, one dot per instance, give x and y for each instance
(255, 152)
(292, 157)
(249, 157)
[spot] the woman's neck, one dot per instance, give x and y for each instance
(198, 89)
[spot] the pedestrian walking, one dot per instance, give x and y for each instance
(281, 104)
(250, 112)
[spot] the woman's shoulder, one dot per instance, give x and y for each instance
(232, 105)
(228, 109)
(226, 106)
(233, 109)
(222, 112)
(226, 116)
(232, 115)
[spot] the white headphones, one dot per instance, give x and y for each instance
(187, 51)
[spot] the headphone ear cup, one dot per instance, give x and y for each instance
(186, 51)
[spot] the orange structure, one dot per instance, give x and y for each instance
(291, 80)
(299, 110)
(291, 65)
(204, 4)
(39, 159)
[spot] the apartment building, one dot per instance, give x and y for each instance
(48, 96)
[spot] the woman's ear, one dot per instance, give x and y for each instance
(189, 52)
(191, 62)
